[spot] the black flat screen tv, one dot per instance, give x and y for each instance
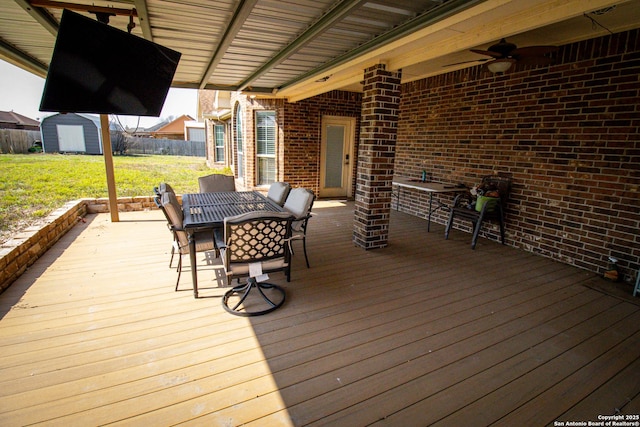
(99, 69)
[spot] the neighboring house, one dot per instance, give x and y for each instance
(172, 130)
(192, 130)
(73, 133)
(13, 120)
(140, 132)
(566, 133)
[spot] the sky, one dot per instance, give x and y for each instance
(20, 92)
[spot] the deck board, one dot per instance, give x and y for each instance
(618, 391)
(459, 370)
(423, 331)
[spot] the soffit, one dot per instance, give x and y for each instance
(300, 48)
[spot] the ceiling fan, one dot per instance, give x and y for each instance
(503, 55)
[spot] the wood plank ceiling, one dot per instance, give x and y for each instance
(300, 48)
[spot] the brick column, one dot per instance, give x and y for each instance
(376, 154)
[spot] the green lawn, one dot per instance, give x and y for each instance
(33, 185)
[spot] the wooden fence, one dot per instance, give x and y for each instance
(17, 141)
(169, 147)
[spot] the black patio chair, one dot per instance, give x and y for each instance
(157, 200)
(278, 192)
(483, 208)
(203, 239)
(163, 188)
(300, 202)
(216, 182)
(254, 244)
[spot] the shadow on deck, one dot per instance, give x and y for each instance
(423, 332)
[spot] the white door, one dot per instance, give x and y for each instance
(336, 156)
(71, 138)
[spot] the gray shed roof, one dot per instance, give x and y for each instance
(113, 126)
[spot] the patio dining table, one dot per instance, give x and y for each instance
(207, 211)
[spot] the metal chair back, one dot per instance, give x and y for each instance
(278, 192)
(216, 182)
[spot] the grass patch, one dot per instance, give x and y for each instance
(33, 185)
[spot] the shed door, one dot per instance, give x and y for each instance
(71, 138)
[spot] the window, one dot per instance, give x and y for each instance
(218, 134)
(239, 143)
(266, 146)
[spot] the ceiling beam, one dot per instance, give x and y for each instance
(41, 16)
(419, 22)
(486, 22)
(226, 88)
(240, 15)
(20, 59)
(83, 7)
(339, 11)
(143, 18)
(208, 86)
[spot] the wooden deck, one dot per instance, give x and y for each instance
(423, 332)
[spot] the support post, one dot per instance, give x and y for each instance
(108, 163)
(376, 156)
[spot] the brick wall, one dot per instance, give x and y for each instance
(299, 135)
(303, 132)
(210, 144)
(569, 135)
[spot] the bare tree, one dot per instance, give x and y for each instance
(119, 140)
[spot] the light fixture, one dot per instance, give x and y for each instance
(500, 65)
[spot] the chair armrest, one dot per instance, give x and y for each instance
(302, 223)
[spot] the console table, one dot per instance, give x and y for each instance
(429, 187)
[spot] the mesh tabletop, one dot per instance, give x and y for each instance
(210, 209)
(223, 198)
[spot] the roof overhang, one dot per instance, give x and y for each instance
(301, 48)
